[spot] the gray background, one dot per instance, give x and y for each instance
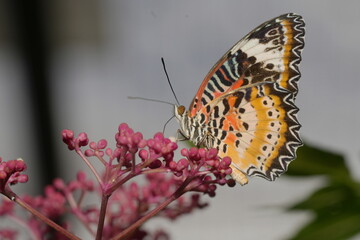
(109, 50)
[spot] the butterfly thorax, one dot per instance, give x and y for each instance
(192, 129)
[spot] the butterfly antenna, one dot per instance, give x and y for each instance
(167, 76)
(167, 123)
(150, 99)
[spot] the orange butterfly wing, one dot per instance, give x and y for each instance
(246, 101)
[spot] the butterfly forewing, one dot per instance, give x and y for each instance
(246, 101)
(271, 52)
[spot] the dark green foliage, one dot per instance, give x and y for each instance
(335, 206)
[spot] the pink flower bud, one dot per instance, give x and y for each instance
(67, 134)
(222, 181)
(3, 174)
(184, 152)
(207, 179)
(20, 166)
(143, 154)
(194, 154)
(159, 136)
(182, 164)
(128, 157)
(212, 153)
(23, 178)
(123, 126)
(172, 165)
(212, 187)
(211, 163)
(109, 152)
(59, 183)
(155, 164)
(102, 144)
(137, 137)
(89, 153)
(123, 140)
(117, 152)
(231, 182)
(10, 166)
(202, 152)
(151, 143)
(226, 161)
(83, 139)
(173, 146)
(142, 143)
(228, 171)
(81, 176)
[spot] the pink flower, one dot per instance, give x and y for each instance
(8, 234)
(126, 204)
(11, 173)
(6, 207)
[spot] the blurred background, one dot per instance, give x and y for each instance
(72, 64)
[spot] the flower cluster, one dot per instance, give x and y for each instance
(11, 173)
(125, 203)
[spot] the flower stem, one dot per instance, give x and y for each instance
(43, 218)
(32, 233)
(102, 215)
(121, 182)
(75, 208)
(92, 168)
(180, 191)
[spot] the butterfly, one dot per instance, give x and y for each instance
(245, 105)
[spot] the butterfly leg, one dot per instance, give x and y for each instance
(206, 141)
(180, 136)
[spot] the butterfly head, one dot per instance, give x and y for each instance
(182, 117)
(180, 112)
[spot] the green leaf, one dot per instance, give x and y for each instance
(340, 226)
(336, 206)
(314, 161)
(333, 199)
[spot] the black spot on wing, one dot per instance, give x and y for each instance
(203, 101)
(239, 96)
(226, 106)
(223, 135)
(216, 112)
(225, 148)
(214, 123)
(202, 118)
(221, 122)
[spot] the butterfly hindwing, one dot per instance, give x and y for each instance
(257, 128)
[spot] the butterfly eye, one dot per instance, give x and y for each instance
(181, 110)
